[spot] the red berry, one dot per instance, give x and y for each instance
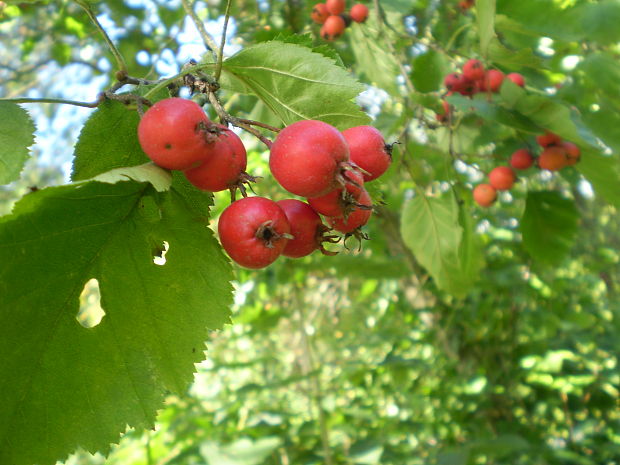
(466, 4)
(517, 78)
(254, 231)
(225, 166)
(172, 133)
(547, 139)
(573, 154)
(307, 156)
(442, 117)
(492, 80)
(358, 217)
(553, 158)
(335, 7)
(502, 178)
(473, 70)
(359, 13)
(341, 201)
(521, 159)
(368, 150)
(452, 81)
(332, 28)
(484, 195)
(319, 13)
(306, 228)
(466, 86)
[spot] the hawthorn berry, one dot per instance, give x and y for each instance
(368, 150)
(225, 167)
(573, 153)
(517, 78)
(307, 229)
(547, 139)
(307, 158)
(332, 28)
(357, 218)
(473, 70)
(335, 7)
(521, 159)
(443, 117)
(452, 81)
(465, 86)
(484, 195)
(502, 178)
(553, 158)
(254, 231)
(359, 13)
(341, 201)
(173, 133)
(492, 80)
(319, 13)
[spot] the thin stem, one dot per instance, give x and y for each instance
(165, 82)
(259, 124)
(225, 117)
(120, 61)
(206, 37)
(380, 21)
(220, 52)
(53, 100)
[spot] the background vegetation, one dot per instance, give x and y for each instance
(500, 347)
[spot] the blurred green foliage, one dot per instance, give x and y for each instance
(366, 358)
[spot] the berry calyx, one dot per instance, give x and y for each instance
(368, 150)
(174, 133)
(319, 13)
(521, 159)
(484, 195)
(225, 167)
(254, 231)
(547, 139)
(335, 7)
(517, 78)
(307, 158)
(473, 70)
(502, 178)
(357, 218)
(553, 158)
(359, 13)
(307, 229)
(332, 28)
(341, 201)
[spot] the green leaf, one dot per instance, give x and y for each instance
(549, 226)
(603, 172)
(493, 112)
(108, 140)
(297, 84)
(372, 62)
(16, 135)
(429, 70)
(160, 178)
(432, 229)
(64, 385)
(486, 23)
(512, 59)
(600, 21)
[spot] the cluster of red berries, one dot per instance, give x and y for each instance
(474, 79)
(309, 158)
(333, 18)
(555, 155)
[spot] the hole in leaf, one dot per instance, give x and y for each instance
(90, 313)
(159, 254)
